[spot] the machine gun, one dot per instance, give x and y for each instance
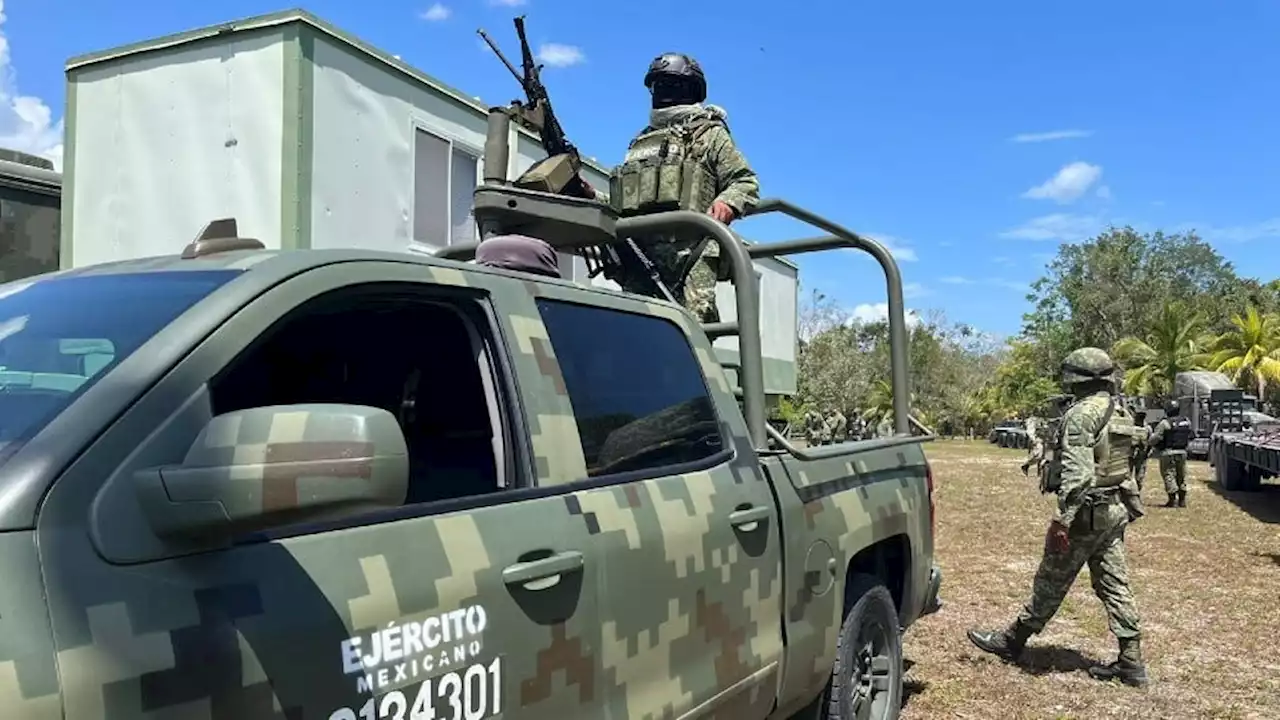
(561, 171)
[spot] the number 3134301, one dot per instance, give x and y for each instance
(469, 694)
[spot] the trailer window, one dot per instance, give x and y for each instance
(639, 397)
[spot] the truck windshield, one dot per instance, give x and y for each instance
(59, 336)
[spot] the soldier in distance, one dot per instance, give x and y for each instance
(1097, 499)
(1169, 439)
(684, 159)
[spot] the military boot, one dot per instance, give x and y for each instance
(1008, 643)
(1172, 501)
(1182, 498)
(1128, 667)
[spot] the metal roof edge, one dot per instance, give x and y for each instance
(286, 17)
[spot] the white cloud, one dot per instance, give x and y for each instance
(26, 122)
(557, 55)
(914, 290)
(508, 3)
(1051, 135)
(1061, 227)
(1266, 229)
(879, 312)
(994, 282)
(897, 248)
(1072, 181)
(436, 13)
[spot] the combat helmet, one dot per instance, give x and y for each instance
(1087, 364)
(675, 79)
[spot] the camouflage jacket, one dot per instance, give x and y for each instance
(1081, 425)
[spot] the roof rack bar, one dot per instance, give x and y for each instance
(745, 287)
(720, 329)
(841, 237)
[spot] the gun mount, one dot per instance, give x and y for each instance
(542, 204)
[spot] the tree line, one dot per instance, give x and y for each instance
(1160, 303)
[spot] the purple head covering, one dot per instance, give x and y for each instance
(519, 252)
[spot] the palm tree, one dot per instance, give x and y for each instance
(1175, 343)
(1250, 351)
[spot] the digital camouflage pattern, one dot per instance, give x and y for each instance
(839, 426)
(651, 598)
(735, 184)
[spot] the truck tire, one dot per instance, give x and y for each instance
(866, 681)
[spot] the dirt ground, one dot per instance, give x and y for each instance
(1206, 579)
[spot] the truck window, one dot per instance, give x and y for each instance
(638, 393)
(421, 357)
(61, 335)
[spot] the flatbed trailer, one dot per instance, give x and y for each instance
(1242, 460)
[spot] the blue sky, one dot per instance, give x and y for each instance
(971, 137)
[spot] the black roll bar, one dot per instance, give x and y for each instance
(747, 292)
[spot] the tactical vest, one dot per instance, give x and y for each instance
(1113, 446)
(1178, 436)
(664, 170)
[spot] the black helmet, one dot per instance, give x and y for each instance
(675, 79)
(1172, 408)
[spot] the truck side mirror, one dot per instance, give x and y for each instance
(266, 467)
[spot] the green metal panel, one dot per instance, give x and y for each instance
(68, 174)
(297, 133)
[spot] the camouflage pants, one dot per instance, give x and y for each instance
(1139, 467)
(696, 292)
(1173, 468)
(1096, 539)
(700, 290)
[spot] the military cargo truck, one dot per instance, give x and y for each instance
(30, 215)
(354, 484)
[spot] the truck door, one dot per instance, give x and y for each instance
(685, 523)
(456, 605)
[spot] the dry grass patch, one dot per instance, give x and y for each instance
(1206, 578)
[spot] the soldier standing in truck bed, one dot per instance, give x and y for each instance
(684, 159)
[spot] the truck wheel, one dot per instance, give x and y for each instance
(866, 681)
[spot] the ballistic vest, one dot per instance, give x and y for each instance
(1178, 436)
(1113, 446)
(664, 169)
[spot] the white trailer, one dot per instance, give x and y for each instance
(310, 138)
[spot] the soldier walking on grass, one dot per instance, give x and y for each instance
(1170, 439)
(1097, 500)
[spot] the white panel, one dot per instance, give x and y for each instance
(363, 153)
(777, 311)
(168, 141)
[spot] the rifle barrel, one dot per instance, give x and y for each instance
(494, 46)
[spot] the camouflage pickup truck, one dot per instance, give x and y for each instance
(353, 485)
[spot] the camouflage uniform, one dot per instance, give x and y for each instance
(815, 428)
(885, 427)
(839, 426)
(1035, 444)
(1173, 464)
(1093, 513)
(1141, 451)
(723, 175)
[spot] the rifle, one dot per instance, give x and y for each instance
(562, 157)
(560, 171)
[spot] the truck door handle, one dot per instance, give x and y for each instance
(543, 573)
(748, 519)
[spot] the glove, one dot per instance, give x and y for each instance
(1056, 539)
